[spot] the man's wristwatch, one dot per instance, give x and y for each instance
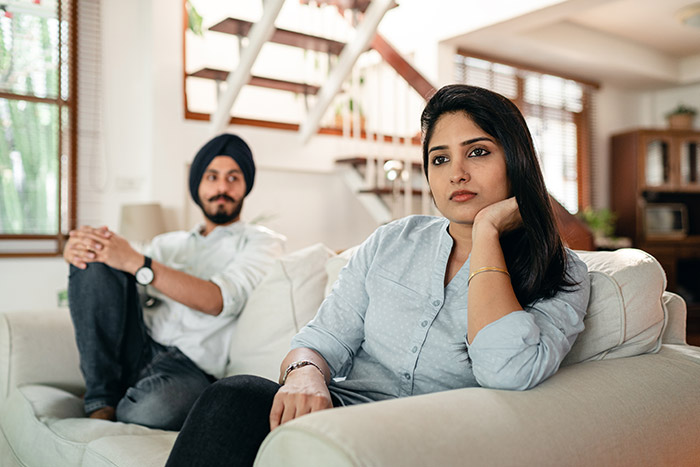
(144, 275)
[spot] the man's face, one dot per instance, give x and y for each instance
(222, 190)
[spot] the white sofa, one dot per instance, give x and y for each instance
(628, 394)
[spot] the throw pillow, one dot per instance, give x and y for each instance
(626, 315)
(286, 299)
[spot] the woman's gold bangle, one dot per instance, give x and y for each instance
(487, 269)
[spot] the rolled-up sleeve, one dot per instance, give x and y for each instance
(248, 268)
(523, 348)
(337, 330)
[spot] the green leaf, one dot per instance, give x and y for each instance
(194, 19)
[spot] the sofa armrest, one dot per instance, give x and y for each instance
(38, 347)
(675, 326)
(639, 410)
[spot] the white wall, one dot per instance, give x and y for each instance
(31, 283)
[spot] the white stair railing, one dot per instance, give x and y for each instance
(385, 108)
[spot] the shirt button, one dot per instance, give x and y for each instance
(414, 349)
(407, 376)
(436, 303)
(424, 323)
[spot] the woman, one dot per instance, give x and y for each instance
(486, 296)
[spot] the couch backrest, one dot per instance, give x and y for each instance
(626, 314)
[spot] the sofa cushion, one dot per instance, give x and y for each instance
(53, 419)
(626, 315)
(286, 299)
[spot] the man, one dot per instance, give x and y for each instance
(148, 364)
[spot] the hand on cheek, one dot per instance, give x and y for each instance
(503, 216)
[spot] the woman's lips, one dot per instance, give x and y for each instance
(462, 196)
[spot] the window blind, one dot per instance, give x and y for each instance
(558, 112)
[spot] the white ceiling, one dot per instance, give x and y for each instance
(634, 43)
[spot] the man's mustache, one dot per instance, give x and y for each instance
(222, 196)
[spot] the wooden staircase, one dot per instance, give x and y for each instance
(331, 48)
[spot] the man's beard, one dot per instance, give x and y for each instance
(221, 217)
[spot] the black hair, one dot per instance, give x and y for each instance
(534, 253)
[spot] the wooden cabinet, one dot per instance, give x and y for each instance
(655, 191)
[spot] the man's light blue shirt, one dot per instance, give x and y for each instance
(391, 328)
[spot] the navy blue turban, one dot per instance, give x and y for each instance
(223, 145)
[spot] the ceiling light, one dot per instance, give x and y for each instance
(690, 15)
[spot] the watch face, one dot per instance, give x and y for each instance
(144, 276)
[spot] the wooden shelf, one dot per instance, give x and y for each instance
(222, 75)
(671, 189)
(240, 27)
(688, 240)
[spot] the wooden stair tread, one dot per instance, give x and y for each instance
(362, 161)
(240, 27)
(282, 85)
(389, 191)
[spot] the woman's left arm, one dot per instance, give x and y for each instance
(490, 294)
(511, 346)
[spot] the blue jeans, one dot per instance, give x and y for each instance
(148, 383)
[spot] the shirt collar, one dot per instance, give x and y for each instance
(219, 229)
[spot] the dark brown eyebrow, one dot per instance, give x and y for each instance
(463, 143)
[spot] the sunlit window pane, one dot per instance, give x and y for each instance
(28, 167)
(29, 59)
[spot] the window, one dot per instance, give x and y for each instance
(558, 112)
(37, 85)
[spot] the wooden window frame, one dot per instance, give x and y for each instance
(72, 144)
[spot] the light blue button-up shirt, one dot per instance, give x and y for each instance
(391, 328)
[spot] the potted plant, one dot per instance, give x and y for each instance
(600, 221)
(681, 117)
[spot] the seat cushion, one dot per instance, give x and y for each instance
(130, 451)
(36, 415)
(286, 299)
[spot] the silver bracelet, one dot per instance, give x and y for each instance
(299, 364)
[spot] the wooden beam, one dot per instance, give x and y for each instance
(412, 76)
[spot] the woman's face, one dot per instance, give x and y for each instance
(466, 168)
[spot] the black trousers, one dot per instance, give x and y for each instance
(227, 424)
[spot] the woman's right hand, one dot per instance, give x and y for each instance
(305, 391)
